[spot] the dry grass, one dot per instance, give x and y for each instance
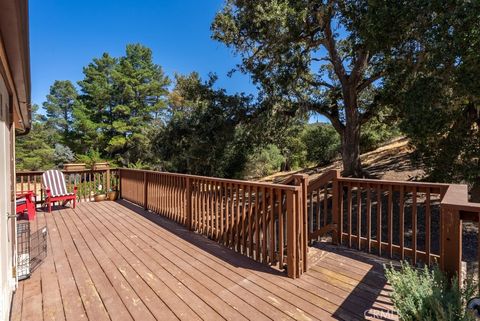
(390, 161)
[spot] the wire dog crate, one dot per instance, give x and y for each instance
(31, 249)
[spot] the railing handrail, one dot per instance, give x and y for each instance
(24, 173)
(216, 179)
(393, 182)
(457, 196)
(322, 179)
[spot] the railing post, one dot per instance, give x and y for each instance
(119, 183)
(336, 221)
(188, 203)
(145, 190)
(108, 179)
(291, 237)
(451, 241)
(302, 219)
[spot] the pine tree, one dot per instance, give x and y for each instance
(59, 108)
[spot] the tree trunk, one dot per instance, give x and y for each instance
(352, 166)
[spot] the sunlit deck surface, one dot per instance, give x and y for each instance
(114, 261)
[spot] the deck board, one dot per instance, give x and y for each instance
(114, 261)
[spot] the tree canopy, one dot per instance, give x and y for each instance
(120, 96)
(328, 57)
(437, 91)
(205, 133)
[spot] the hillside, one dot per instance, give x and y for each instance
(391, 162)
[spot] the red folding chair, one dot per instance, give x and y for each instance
(56, 189)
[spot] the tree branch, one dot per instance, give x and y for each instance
(331, 112)
(330, 45)
(367, 82)
(316, 83)
(359, 67)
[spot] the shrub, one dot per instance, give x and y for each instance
(322, 143)
(427, 294)
(63, 155)
(264, 161)
(376, 132)
(93, 156)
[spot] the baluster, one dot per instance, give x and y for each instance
(369, 218)
(402, 222)
(379, 219)
(271, 226)
(359, 217)
(280, 228)
(390, 221)
(428, 226)
(349, 213)
(264, 225)
(414, 225)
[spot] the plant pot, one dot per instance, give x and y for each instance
(100, 166)
(113, 195)
(74, 167)
(99, 197)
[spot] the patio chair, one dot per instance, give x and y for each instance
(56, 189)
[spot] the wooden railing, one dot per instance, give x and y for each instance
(456, 209)
(273, 223)
(322, 203)
(265, 222)
(87, 182)
(394, 218)
(415, 221)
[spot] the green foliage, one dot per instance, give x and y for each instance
(423, 295)
(63, 155)
(120, 98)
(376, 132)
(264, 161)
(138, 165)
(292, 147)
(204, 134)
(322, 143)
(35, 151)
(328, 57)
(90, 158)
(438, 90)
(59, 107)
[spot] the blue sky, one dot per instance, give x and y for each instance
(66, 35)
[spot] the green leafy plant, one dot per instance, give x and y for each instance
(264, 161)
(99, 190)
(322, 143)
(427, 294)
(93, 156)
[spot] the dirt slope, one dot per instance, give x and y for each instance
(391, 162)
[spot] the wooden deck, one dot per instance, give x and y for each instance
(114, 261)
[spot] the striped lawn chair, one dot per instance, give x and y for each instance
(56, 189)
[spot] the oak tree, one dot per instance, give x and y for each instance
(328, 57)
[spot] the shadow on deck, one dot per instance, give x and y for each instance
(115, 261)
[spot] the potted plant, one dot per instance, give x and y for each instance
(100, 194)
(93, 160)
(113, 194)
(100, 166)
(74, 167)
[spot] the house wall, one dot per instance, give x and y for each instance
(15, 117)
(7, 230)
